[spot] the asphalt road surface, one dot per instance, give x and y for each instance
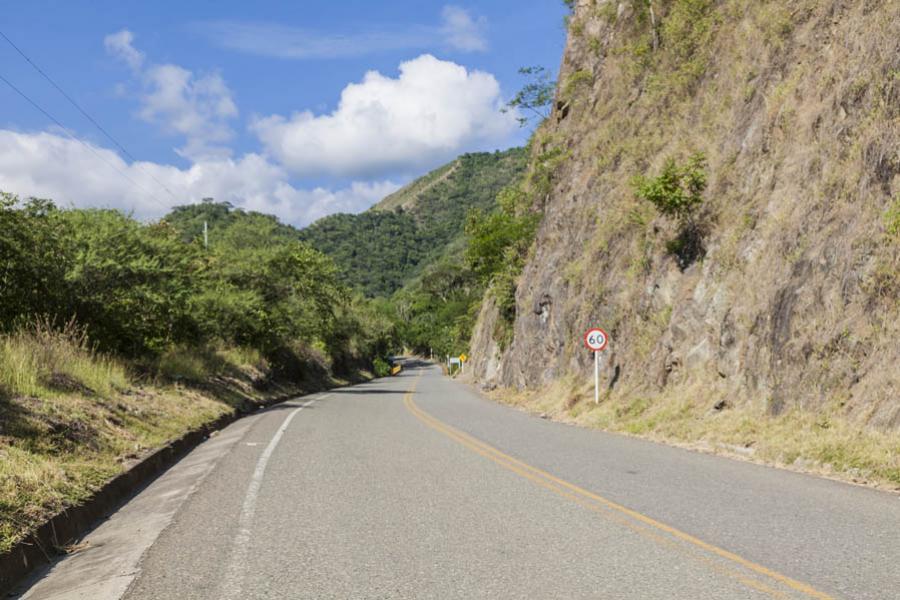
(416, 487)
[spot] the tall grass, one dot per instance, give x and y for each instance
(43, 360)
(826, 441)
(198, 363)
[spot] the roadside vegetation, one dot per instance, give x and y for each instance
(825, 442)
(428, 252)
(118, 336)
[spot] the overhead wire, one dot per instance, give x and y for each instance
(82, 142)
(86, 115)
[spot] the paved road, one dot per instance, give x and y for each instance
(415, 487)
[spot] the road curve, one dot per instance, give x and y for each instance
(416, 487)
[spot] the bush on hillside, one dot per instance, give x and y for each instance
(381, 367)
(677, 193)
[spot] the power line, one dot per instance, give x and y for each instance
(86, 145)
(109, 136)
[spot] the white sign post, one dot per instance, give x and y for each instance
(596, 339)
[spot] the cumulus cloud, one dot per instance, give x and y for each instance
(197, 107)
(383, 129)
(433, 111)
(459, 30)
(51, 166)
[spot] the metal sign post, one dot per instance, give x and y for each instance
(454, 362)
(596, 340)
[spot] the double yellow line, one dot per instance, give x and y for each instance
(642, 524)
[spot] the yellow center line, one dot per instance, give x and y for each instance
(580, 495)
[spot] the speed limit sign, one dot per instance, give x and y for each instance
(596, 339)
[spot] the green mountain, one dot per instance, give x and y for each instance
(382, 249)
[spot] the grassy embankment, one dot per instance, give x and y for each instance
(826, 442)
(72, 419)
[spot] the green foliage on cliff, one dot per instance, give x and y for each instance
(892, 219)
(535, 97)
(677, 192)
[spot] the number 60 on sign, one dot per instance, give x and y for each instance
(596, 339)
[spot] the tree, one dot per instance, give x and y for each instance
(130, 285)
(536, 96)
(33, 259)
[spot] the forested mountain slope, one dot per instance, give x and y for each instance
(725, 201)
(378, 251)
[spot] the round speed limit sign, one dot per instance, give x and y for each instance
(596, 339)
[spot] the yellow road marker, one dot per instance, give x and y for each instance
(581, 496)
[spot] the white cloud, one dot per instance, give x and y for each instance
(120, 45)
(383, 126)
(458, 30)
(48, 165)
(196, 107)
(433, 111)
(462, 31)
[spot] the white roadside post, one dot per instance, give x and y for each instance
(596, 339)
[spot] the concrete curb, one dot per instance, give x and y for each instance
(45, 545)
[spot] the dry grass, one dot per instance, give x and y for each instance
(798, 293)
(824, 442)
(198, 364)
(72, 419)
(42, 361)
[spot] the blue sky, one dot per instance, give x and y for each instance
(296, 108)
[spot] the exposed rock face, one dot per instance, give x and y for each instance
(796, 302)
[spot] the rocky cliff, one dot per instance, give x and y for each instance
(792, 301)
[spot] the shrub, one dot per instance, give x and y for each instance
(381, 367)
(677, 192)
(183, 364)
(576, 79)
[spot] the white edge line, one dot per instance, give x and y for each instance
(232, 583)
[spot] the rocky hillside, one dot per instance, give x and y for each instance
(791, 300)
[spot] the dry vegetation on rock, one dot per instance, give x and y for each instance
(790, 317)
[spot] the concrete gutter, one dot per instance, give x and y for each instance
(49, 541)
